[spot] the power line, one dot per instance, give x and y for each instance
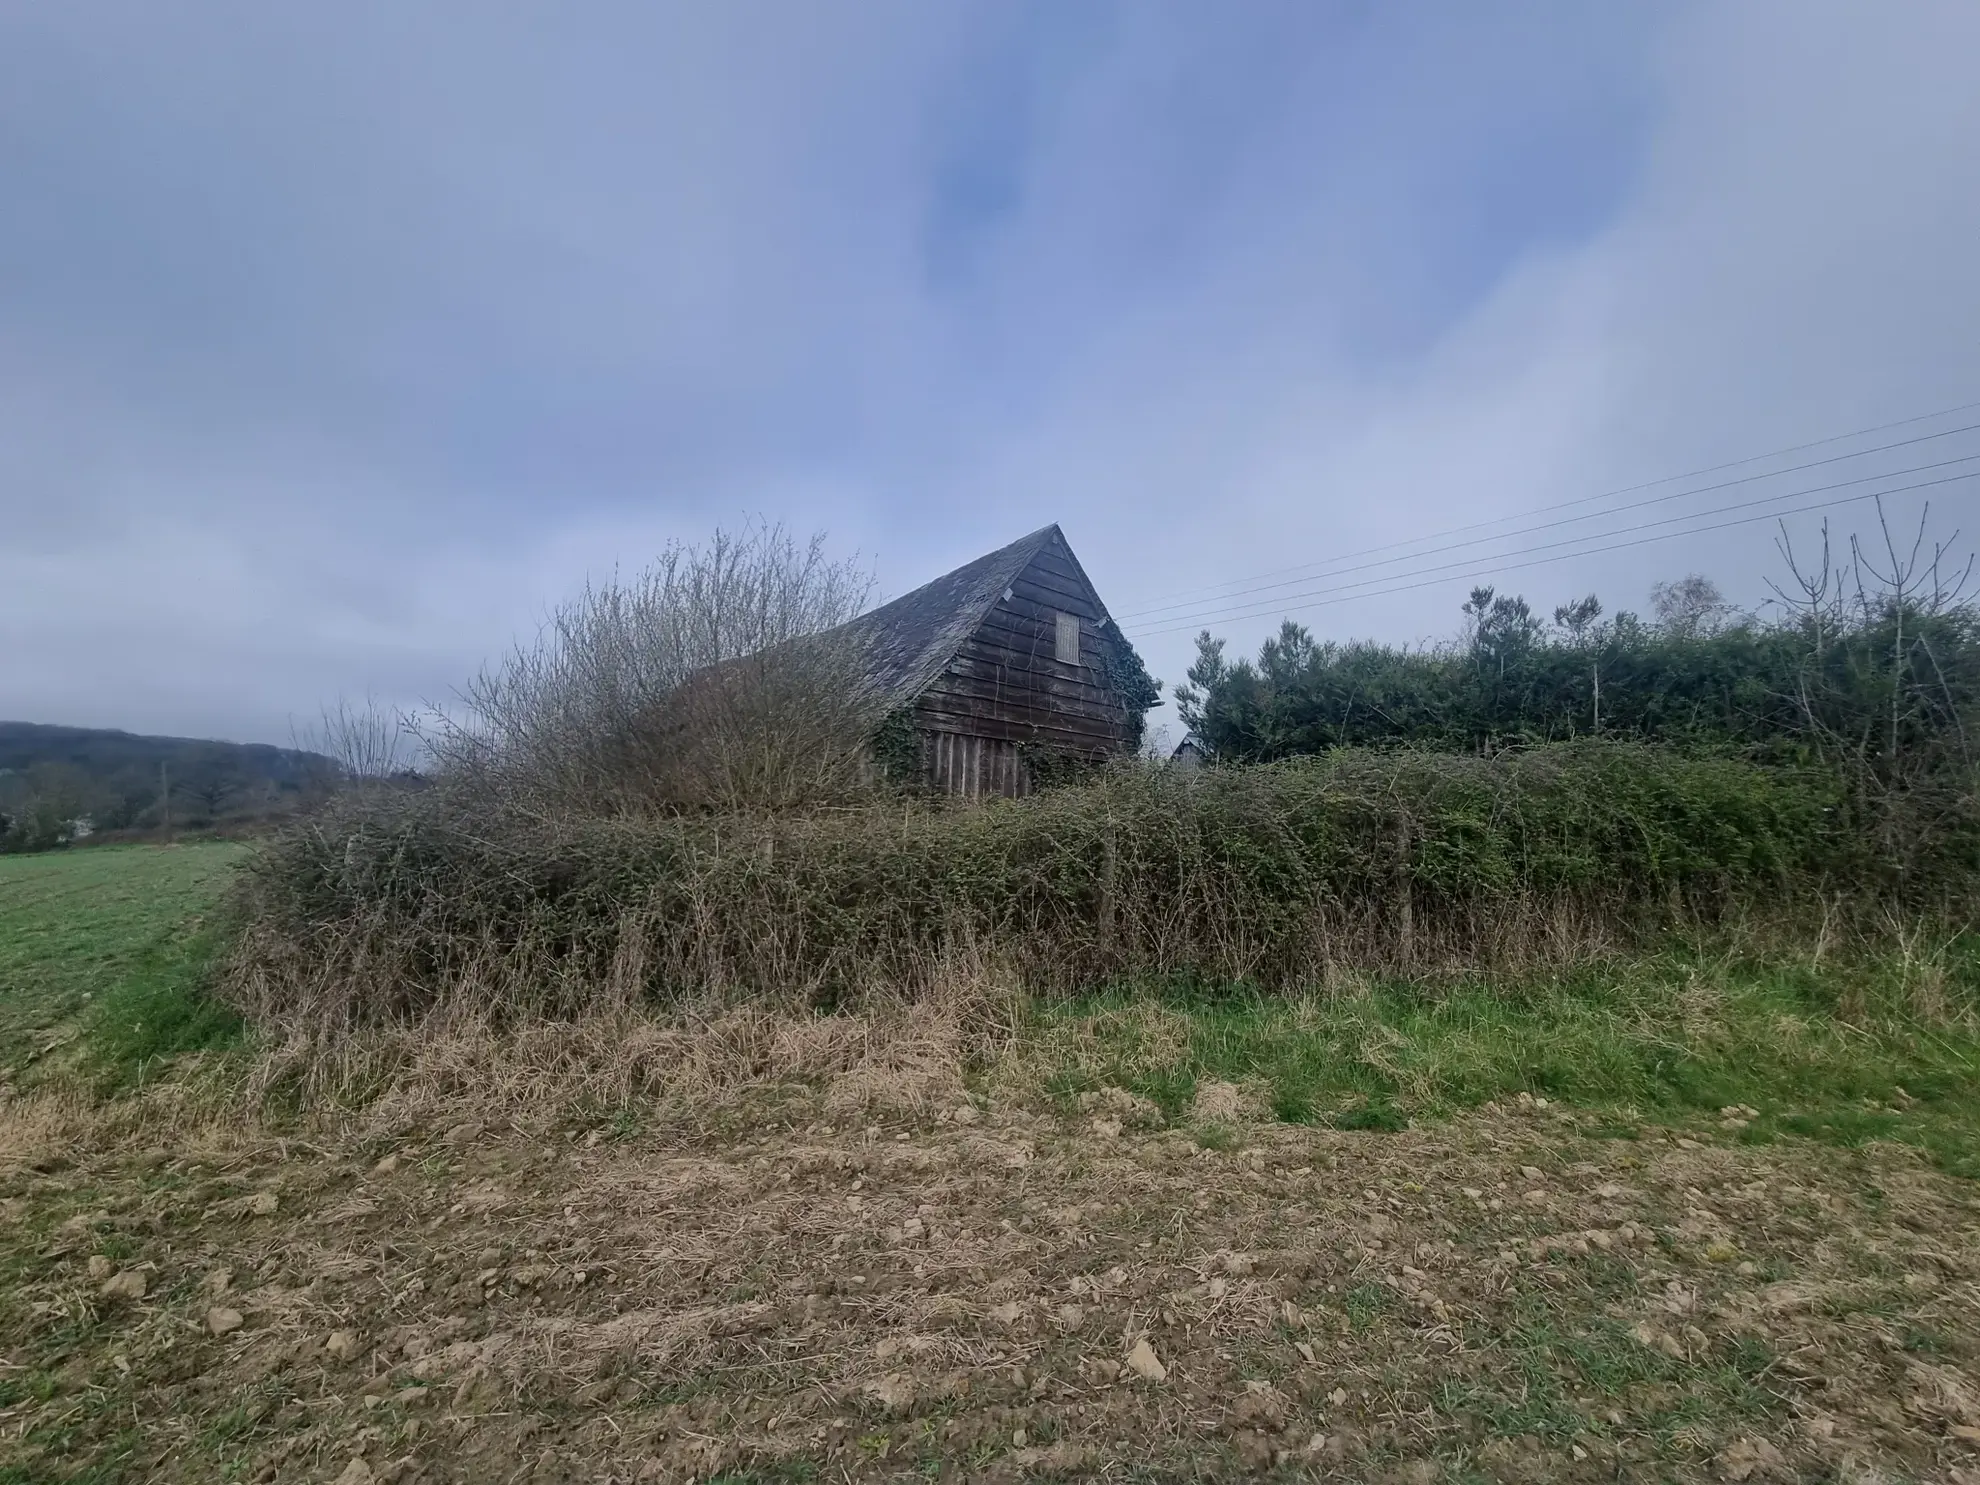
(1212, 591)
(1243, 602)
(1442, 575)
(1566, 521)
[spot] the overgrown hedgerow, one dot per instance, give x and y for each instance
(398, 906)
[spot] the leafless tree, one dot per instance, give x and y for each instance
(717, 677)
(367, 741)
(1886, 687)
(1909, 586)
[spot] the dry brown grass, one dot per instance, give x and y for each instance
(894, 1053)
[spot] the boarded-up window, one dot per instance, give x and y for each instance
(1068, 647)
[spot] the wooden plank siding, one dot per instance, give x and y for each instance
(973, 767)
(1006, 690)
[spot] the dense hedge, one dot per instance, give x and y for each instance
(1892, 691)
(1271, 873)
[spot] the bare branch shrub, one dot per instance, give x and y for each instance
(1886, 685)
(712, 679)
(366, 741)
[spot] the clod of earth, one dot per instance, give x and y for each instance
(1144, 1363)
(130, 1284)
(894, 1392)
(220, 1320)
(1751, 1458)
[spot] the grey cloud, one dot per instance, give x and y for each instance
(336, 341)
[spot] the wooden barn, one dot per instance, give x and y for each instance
(992, 671)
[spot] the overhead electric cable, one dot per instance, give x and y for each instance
(1491, 566)
(1211, 591)
(1244, 601)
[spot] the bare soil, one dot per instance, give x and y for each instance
(1519, 1294)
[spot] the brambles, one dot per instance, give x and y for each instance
(1271, 875)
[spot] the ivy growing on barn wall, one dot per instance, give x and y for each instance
(897, 747)
(1129, 679)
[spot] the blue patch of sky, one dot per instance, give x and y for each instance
(1519, 138)
(1417, 156)
(989, 120)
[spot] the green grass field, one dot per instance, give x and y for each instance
(1871, 1046)
(103, 955)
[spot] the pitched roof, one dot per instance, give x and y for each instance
(906, 644)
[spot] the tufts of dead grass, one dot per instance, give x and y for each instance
(42, 1127)
(893, 1052)
(51, 1126)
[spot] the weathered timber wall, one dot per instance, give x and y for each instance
(1007, 687)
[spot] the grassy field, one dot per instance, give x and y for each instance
(1865, 1047)
(1692, 1216)
(102, 954)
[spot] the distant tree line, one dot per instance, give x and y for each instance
(62, 784)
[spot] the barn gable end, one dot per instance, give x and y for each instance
(1006, 660)
(1011, 690)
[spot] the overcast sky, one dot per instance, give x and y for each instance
(338, 340)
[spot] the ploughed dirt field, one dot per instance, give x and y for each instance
(983, 1294)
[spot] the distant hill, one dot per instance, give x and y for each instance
(101, 750)
(123, 781)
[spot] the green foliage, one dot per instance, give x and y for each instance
(1881, 688)
(896, 748)
(1787, 691)
(1264, 875)
(1128, 678)
(44, 806)
(1870, 1045)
